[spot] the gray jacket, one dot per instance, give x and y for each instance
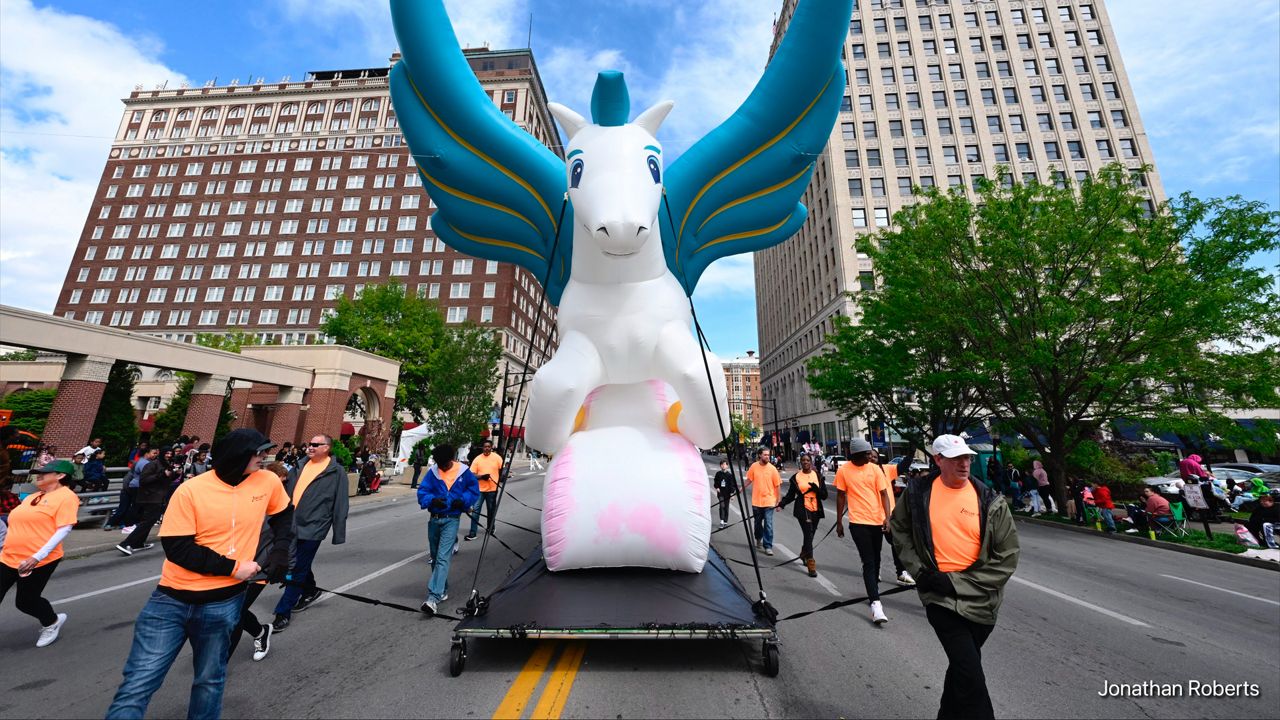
(322, 505)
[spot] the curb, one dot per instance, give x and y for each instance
(1173, 547)
(89, 550)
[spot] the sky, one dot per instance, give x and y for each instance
(1206, 77)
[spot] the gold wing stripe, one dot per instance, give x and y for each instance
(755, 195)
(481, 155)
(494, 241)
(747, 234)
(477, 200)
(745, 160)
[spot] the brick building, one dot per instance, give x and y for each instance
(742, 381)
(256, 206)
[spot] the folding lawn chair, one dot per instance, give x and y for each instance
(1177, 524)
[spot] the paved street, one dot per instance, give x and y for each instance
(1081, 610)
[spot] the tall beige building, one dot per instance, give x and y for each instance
(939, 92)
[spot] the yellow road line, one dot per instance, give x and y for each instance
(517, 697)
(560, 683)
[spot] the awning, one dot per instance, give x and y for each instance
(1135, 432)
(146, 425)
(348, 429)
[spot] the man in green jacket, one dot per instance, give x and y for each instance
(956, 536)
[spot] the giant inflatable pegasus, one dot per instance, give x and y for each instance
(620, 241)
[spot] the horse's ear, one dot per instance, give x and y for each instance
(571, 121)
(652, 118)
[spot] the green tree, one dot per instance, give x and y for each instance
(464, 371)
(18, 356)
(447, 372)
(897, 366)
(1074, 306)
(387, 320)
(30, 409)
(117, 420)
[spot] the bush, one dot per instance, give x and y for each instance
(30, 410)
(342, 454)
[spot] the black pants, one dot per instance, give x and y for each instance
(30, 593)
(724, 507)
(964, 691)
(898, 567)
(148, 515)
(807, 529)
(122, 512)
(248, 621)
(869, 539)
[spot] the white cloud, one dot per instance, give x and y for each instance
(569, 74)
(718, 51)
(1204, 76)
(733, 275)
(496, 23)
(61, 80)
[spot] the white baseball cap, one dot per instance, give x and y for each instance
(951, 446)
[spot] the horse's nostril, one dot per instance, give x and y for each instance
(603, 229)
(641, 229)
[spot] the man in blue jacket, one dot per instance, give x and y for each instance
(448, 490)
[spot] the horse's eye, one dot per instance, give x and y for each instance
(654, 170)
(575, 173)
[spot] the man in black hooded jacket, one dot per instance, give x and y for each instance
(210, 536)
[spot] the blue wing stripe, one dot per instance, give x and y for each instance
(737, 189)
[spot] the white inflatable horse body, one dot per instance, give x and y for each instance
(625, 403)
(626, 470)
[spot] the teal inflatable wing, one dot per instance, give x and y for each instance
(499, 193)
(738, 188)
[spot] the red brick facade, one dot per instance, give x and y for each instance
(255, 207)
(71, 418)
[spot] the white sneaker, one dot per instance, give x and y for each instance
(904, 578)
(49, 634)
(429, 607)
(877, 613)
(262, 643)
(768, 551)
(128, 530)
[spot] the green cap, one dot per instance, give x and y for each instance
(57, 466)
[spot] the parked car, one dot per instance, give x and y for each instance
(1252, 468)
(834, 462)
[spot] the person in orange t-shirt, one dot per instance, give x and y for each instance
(764, 481)
(210, 537)
(487, 467)
(33, 545)
(863, 488)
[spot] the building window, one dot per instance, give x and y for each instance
(456, 314)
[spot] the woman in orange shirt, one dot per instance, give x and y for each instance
(809, 490)
(33, 546)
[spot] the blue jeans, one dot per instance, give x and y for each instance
(1108, 520)
(442, 535)
(304, 554)
(160, 631)
(764, 525)
(490, 501)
